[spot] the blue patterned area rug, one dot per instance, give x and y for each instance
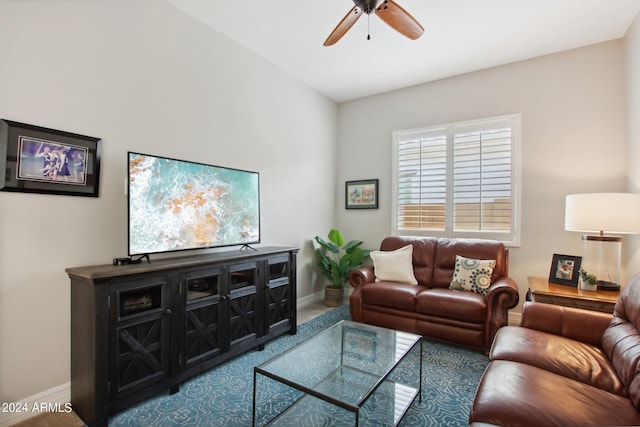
(223, 396)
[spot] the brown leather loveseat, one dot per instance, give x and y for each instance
(565, 367)
(430, 308)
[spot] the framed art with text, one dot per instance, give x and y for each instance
(361, 194)
(565, 269)
(35, 159)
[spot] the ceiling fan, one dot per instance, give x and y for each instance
(387, 10)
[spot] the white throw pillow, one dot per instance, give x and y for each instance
(394, 266)
(472, 274)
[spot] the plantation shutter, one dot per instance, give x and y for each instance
(458, 180)
(482, 180)
(422, 181)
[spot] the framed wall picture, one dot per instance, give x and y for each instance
(565, 269)
(359, 344)
(361, 194)
(34, 159)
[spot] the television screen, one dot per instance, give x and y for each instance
(178, 205)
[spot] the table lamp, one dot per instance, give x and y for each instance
(600, 213)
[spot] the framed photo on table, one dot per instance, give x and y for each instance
(361, 194)
(35, 159)
(565, 269)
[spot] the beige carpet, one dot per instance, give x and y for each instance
(52, 419)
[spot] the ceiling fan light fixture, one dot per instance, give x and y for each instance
(368, 6)
(390, 13)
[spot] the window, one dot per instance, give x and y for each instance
(458, 180)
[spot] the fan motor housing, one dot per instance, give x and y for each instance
(368, 6)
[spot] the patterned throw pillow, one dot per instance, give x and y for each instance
(472, 275)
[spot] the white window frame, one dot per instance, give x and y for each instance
(511, 238)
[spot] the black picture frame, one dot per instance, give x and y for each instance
(35, 159)
(361, 194)
(565, 269)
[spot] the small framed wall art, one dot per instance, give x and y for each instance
(35, 159)
(361, 194)
(565, 269)
(359, 344)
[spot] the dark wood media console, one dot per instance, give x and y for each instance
(140, 329)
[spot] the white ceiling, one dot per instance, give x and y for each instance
(461, 36)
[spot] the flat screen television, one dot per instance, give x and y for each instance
(176, 205)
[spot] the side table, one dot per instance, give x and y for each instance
(541, 290)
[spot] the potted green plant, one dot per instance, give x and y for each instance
(588, 281)
(337, 259)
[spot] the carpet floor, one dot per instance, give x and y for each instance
(223, 396)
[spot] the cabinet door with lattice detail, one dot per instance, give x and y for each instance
(243, 310)
(202, 339)
(278, 298)
(141, 318)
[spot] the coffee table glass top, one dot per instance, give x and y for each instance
(345, 364)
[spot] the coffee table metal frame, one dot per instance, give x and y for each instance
(410, 342)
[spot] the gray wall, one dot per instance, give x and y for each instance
(143, 76)
(573, 141)
(632, 74)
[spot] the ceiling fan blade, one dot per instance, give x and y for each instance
(399, 19)
(344, 26)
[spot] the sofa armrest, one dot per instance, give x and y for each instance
(501, 296)
(358, 278)
(575, 323)
(506, 290)
(361, 276)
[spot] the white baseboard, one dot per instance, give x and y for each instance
(318, 297)
(310, 299)
(57, 397)
(513, 319)
(54, 399)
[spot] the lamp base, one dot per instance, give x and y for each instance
(601, 257)
(608, 286)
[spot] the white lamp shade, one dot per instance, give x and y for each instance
(617, 213)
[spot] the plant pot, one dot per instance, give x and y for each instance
(333, 296)
(586, 286)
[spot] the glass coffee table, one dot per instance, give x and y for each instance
(343, 374)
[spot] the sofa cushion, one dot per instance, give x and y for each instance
(621, 340)
(472, 275)
(517, 394)
(563, 356)
(424, 249)
(448, 304)
(394, 266)
(391, 294)
(447, 249)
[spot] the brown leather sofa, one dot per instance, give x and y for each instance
(565, 367)
(430, 308)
